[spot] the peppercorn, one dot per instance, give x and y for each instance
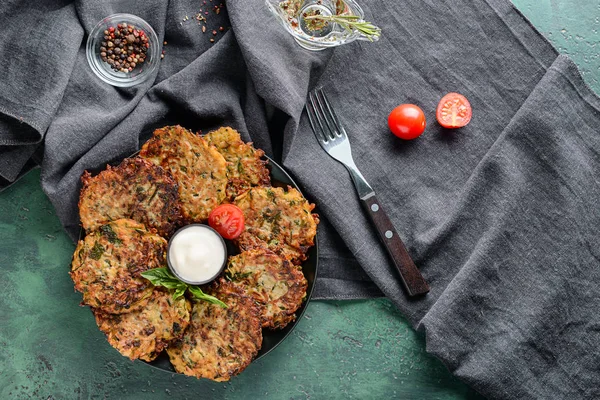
(124, 47)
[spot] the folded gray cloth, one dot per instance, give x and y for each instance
(500, 216)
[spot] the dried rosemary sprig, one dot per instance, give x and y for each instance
(350, 22)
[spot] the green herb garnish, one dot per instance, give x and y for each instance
(350, 23)
(97, 251)
(200, 295)
(238, 276)
(112, 237)
(163, 277)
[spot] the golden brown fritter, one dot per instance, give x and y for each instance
(279, 220)
(245, 167)
(108, 262)
(199, 169)
(145, 333)
(273, 282)
(136, 189)
(220, 342)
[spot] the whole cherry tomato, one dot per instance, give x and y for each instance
(407, 121)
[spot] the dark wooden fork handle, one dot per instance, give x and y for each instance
(411, 276)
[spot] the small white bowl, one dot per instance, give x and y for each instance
(174, 270)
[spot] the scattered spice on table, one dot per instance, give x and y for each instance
(201, 17)
(124, 47)
(162, 54)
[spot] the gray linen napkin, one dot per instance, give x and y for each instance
(501, 216)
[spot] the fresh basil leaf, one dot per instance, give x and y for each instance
(200, 295)
(159, 275)
(163, 277)
(179, 292)
(171, 284)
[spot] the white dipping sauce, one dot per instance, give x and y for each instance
(197, 253)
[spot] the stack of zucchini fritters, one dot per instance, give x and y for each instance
(131, 210)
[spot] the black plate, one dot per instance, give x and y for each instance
(271, 338)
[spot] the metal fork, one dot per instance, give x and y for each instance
(332, 137)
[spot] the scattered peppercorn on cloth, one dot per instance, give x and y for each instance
(501, 216)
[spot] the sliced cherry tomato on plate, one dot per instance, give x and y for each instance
(454, 111)
(407, 121)
(228, 220)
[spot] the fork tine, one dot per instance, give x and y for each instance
(326, 116)
(310, 111)
(339, 128)
(318, 117)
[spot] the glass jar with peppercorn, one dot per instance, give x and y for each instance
(123, 50)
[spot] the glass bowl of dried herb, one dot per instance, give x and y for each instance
(322, 24)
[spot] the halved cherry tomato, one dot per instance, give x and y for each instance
(454, 111)
(228, 220)
(407, 121)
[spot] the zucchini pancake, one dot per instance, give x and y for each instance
(129, 211)
(145, 333)
(108, 262)
(199, 169)
(275, 284)
(220, 342)
(245, 167)
(136, 189)
(279, 220)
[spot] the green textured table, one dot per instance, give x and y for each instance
(50, 347)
